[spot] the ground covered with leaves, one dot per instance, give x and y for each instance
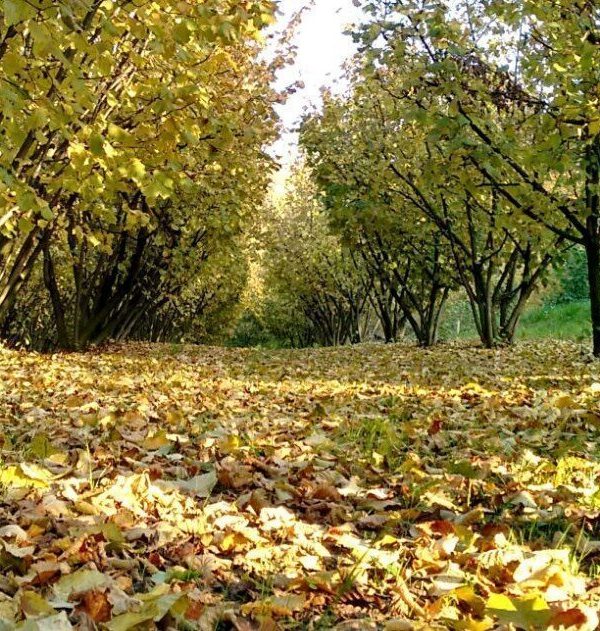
(370, 487)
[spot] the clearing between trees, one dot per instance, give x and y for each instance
(367, 487)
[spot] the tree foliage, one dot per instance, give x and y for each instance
(510, 88)
(315, 291)
(470, 135)
(131, 152)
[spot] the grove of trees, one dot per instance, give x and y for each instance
(466, 154)
(131, 156)
(463, 158)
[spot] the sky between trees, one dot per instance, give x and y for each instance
(322, 50)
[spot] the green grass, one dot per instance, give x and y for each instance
(560, 321)
(569, 321)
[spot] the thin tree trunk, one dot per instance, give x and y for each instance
(592, 248)
(592, 238)
(57, 305)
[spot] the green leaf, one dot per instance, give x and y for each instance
(155, 608)
(25, 225)
(41, 447)
(136, 170)
(181, 33)
(27, 200)
(12, 63)
(465, 468)
(96, 144)
(129, 620)
(16, 11)
(113, 534)
(161, 186)
(227, 30)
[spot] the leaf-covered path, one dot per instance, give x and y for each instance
(369, 487)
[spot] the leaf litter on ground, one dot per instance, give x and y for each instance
(373, 487)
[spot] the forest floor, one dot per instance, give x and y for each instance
(372, 487)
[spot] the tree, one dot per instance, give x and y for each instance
(498, 261)
(519, 84)
(313, 284)
(405, 255)
(133, 136)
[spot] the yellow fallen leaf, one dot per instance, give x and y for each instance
(524, 613)
(25, 475)
(156, 441)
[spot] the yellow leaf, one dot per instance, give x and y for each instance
(594, 127)
(471, 624)
(467, 595)
(524, 613)
(25, 475)
(232, 541)
(156, 441)
(32, 604)
(278, 606)
(228, 444)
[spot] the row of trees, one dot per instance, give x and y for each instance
(467, 155)
(315, 291)
(131, 157)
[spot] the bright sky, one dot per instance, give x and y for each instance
(322, 50)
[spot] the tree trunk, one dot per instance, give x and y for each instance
(60, 320)
(483, 308)
(592, 249)
(487, 329)
(592, 237)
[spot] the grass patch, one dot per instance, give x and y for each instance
(380, 441)
(560, 321)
